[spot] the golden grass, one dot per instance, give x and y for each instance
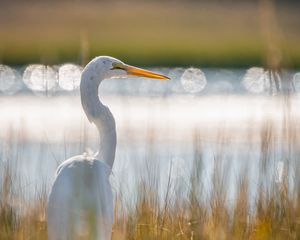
(189, 213)
(275, 213)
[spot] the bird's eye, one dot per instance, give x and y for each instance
(117, 66)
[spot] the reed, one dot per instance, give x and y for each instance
(185, 208)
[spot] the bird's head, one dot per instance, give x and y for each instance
(109, 67)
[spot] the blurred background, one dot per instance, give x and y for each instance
(218, 33)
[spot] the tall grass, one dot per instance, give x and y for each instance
(186, 208)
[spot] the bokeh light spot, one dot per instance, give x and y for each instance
(69, 76)
(255, 80)
(296, 82)
(193, 80)
(10, 80)
(40, 78)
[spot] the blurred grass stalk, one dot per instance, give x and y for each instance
(201, 215)
(186, 211)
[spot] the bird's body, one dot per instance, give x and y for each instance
(80, 204)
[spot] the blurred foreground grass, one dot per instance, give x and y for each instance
(160, 34)
(187, 211)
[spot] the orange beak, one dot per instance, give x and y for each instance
(143, 73)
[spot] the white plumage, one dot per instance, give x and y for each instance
(80, 204)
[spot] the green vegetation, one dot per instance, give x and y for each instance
(152, 34)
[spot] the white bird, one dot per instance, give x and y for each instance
(80, 204)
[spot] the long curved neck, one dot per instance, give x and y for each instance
(101, 116)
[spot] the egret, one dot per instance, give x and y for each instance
(80, 203)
